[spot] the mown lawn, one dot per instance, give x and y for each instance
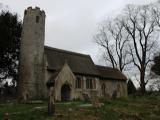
(131, 108)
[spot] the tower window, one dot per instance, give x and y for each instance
(25, 12)
(37, 19)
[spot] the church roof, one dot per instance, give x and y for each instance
(79, 64)
(110, 73)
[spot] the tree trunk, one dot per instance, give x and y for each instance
(142, 82)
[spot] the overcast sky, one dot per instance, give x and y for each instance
(71, 24)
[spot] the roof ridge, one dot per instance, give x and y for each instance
(105, 67)
(66, 51)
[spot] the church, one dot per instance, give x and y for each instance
(74, 74)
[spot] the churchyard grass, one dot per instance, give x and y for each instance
(131, 108)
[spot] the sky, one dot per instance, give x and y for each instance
(71, 24)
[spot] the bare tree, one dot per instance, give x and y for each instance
(141, 27)
(112, 38)
(156, 13)
(131, 37)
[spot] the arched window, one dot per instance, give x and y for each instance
(103, 89)
(118, 87)
(78, 82)
(89, 83)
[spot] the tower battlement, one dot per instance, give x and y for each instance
(34, 10)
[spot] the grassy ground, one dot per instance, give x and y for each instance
(131, 108)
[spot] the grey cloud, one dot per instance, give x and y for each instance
(71, 24)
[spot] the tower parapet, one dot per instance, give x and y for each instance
(34, 10)
(31, 82)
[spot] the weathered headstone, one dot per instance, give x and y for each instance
(86, 97)
(95, 100)
(51, 103)
(6, 116)
(114, 95)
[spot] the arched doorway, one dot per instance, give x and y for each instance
(65, 92)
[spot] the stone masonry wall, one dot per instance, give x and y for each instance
(31, 54)
(111, 86)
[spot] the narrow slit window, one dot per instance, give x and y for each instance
(37, 19)
(25, 12)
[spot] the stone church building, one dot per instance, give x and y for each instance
(75, 75)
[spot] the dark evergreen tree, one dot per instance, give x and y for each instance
(156, 67)
(130, 87)
(10, 35)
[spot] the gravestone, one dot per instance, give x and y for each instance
(51, 103)
(95, 100)
(114, 95)
(86, 97)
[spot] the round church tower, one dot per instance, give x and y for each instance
(31, 82)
